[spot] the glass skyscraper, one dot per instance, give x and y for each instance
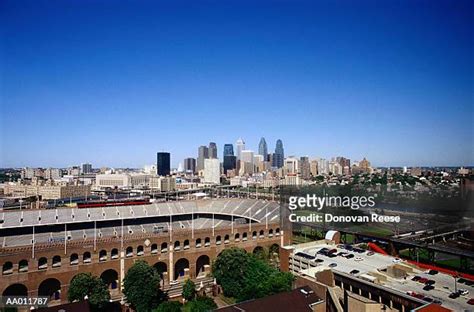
(163, 166)
(279, 156)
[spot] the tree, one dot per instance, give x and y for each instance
(142, 287)
(229, 270)
(84, 284)
(189, 290)
(202, 304)
(169, 306)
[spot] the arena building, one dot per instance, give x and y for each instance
(42, 250)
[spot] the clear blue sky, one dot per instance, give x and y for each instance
(113, 82)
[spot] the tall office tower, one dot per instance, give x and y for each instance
(262, 149)
(305, 168)
(228, 150)
(203, 153)
(86, 168)
(240, 146)
(314, 167)
(163, 166)
(212, 170)
(212, 150)
(323, 166)
(364, 165)
(291, 165)
(246, 161)
(190, 165)
(279, 155)
(230, 163)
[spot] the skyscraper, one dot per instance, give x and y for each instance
(163, 166)
(203, 153)
(230, 161)
(212, 169)
(304, 168)
(86, 168)
(240, 146)
(263, 149)
(212, 150)
(228, 150)
(190, 165)
(279, 155)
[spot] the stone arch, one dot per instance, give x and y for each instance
(129, 251)
(86, 257)
(16, 290)
(114, 254)
(237, 237)
(7, 268)
(164, 247)
(161, 267)
(102, 255)
(198, 243)
(207, 242)
(226, 239)
(51, 288)
(177, 245)
(110, 278)
(186, 244)
(74, 259)
(179, 267)
(140, 250)
(56, 261)
(200, 263)
(259, 252)
(262, 234)
(23, 266)
(218, 240)
(42, 263)
(154, 248)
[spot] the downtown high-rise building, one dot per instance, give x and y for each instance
(212, 170)
(230, 161)
(239, 146)
(305, 168)
(228, 150)
(203, 153)
(86, 168)
(163, 164)
(279, 155)
(212, 150)
(263, 149)
(190, 165)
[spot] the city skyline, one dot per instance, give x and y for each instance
(159, 77)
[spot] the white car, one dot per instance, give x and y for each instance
(396, 260)
(463, 292)
(358, 259)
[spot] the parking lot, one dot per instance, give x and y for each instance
(363, 262)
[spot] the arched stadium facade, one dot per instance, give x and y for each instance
(42, 250)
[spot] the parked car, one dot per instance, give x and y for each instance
(428, 287)
(432, 272)
(430, 282)
(350, 256)
(354, 272)
(471, 301)
(370, 253)
(423, 280)
(358, 259)
(416, 278)
(453, 295)
(396, 260)
(463, 292)
(332, 265)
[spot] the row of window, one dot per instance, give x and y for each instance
(129, 252)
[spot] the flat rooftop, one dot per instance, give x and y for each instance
(378, 263)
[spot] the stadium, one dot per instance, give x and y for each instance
(42, 250)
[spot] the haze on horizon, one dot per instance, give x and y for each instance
(113, 83)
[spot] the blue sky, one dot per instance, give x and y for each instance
(113, 82)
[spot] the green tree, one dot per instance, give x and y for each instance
(229, 270)
(84, 284)
(169, 306)
(202, 304)
(189, 290)
(142, 287)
